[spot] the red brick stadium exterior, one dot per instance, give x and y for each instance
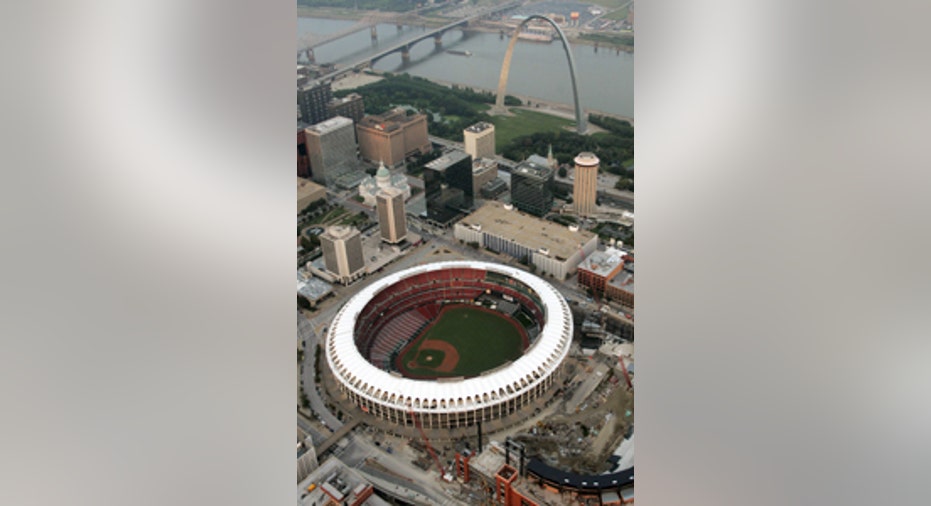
(373, 325)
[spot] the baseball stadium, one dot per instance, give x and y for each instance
(449, 343)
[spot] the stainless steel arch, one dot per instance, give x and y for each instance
(580, 123)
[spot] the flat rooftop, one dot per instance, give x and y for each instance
(482, 165)
(603, 262)
(339, 232)
(334, 479)
(533, 169)
(624, 280)
(479, 127)
(312, 288)
(390, 120)
(348, 98)
(306, 188)
(537, 160)
(528, 230)
(447, 160)
(330, 125)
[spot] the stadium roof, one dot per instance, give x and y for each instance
(580, 481)
(543, 356)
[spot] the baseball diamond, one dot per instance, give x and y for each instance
(472, 339)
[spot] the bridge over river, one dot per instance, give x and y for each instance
(405, 47)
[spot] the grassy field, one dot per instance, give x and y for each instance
(483, 339)
(618, 14)
(525, 123)
(609, 4)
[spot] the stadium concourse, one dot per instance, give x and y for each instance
(371, 330)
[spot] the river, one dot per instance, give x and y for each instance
(606, 78)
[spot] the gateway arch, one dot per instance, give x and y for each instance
(581, 126)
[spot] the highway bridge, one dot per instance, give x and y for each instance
(369, 21)
(404, 47)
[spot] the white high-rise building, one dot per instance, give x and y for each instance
(391, 219)
(479, 140)
(342, 253)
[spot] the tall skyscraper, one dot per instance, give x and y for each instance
(448, 187)
(331, 146)
(532, 188)
(585, 188)
(479, 140)
(342, 253)
(391, 219)
(312, 99)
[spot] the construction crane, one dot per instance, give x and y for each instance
(426, 441)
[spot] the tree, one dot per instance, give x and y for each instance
(305, 402)
(562, 172)
(302, 302)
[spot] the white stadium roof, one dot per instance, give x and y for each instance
(537, 363)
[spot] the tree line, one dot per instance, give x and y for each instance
(457, 107)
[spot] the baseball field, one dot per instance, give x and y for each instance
(463, 341)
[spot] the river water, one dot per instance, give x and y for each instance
(605, 78)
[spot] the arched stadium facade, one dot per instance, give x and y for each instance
(364, 336)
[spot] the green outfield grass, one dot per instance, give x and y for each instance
(482, 338)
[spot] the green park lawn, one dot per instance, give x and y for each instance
(525, 122)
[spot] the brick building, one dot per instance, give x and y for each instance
(599, 268)
(392, 137)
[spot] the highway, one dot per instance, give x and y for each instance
(307, 335)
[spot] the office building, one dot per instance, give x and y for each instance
(391, 219)
(312, 99)
(336, 484)
(585, 186)
(621, 288)
(342, 253)
(599, 268)
(351, 106)
(479, 140)
(306, 456)
(532, 188)
(484, 170)
(552, 248)
(448, 187)
(493, 189)
(392, 137)
(331, 146)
